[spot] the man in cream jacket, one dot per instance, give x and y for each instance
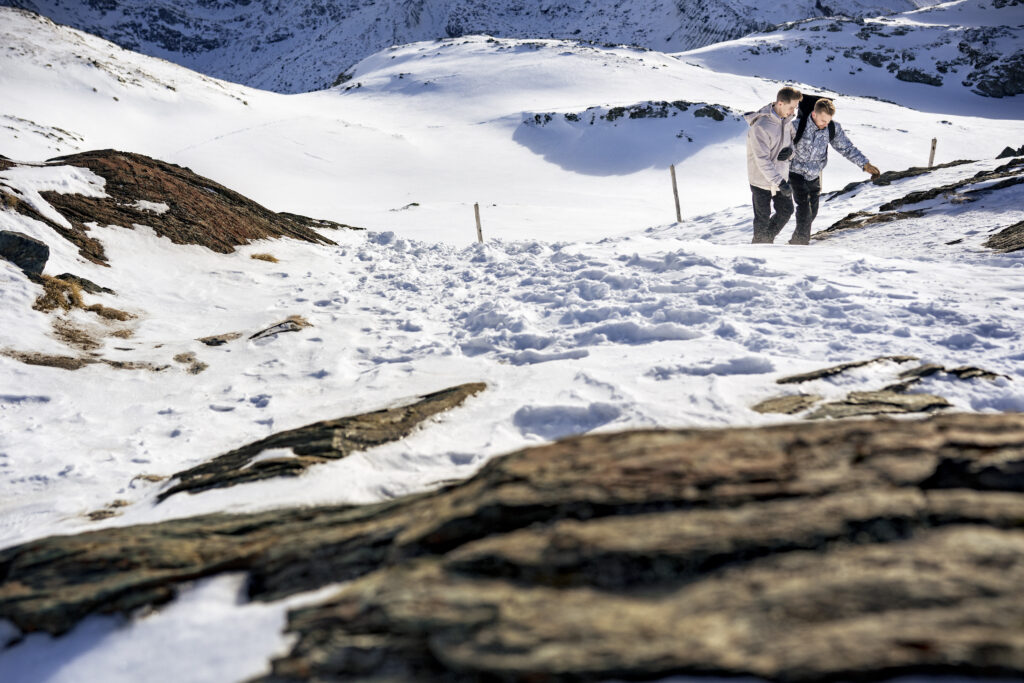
(769, 146)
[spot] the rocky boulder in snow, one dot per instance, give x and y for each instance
(798, 552)
(317, 443)
(177, 203)
(27, 253)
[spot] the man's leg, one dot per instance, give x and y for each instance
(783, 211)
(762, 215)
(806, 193)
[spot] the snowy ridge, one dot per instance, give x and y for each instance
(305, 45)
(947, 58)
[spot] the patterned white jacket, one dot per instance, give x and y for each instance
(810, 154)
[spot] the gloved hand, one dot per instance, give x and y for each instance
(786, 153)
(873, 170)
(785, 188)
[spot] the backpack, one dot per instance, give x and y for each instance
(806, 107)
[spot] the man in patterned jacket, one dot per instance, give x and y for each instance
(810, 154)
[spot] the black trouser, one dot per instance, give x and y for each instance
(767, 226)
(806, 193)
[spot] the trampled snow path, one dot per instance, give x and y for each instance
(682, 325)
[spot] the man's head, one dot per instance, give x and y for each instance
(823, 112)
(787, 101)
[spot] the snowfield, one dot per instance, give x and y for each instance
(587, 308)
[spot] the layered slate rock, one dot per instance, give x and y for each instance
(966, 190)
(830, 550)
(1008, 239)
(891, 399)
(174, 201)
(318, 443)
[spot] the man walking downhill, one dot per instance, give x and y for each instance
(810, 154)
(769, 146)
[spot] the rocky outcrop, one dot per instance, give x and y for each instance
(889, 177)
(1008, 239)
(1008, 175)
(849, 549)
(834, 370)
(1011, 173)
(26, 252)
(318, 443)
(1010, 152)
(174, 201)
(890, 399)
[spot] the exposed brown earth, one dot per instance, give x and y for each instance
(851, 550)
(200, 211)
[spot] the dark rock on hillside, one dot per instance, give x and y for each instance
(1005, 79)
(1012, 171)
(1008, 239)
(85, 284)
(1009, 175)
(918, 76)
(841, 368)
(195, 210)
(318, 443)
(1011, 152)
(26, 252)
(889, 177)
(807, 552)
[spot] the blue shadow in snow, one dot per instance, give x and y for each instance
(625, 145)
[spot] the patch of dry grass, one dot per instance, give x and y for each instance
(34, 358)
(109, 313)
(265, 257)
(123, 334)
(60, 294)
(67, 294)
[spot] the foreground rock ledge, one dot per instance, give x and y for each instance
(835, 550)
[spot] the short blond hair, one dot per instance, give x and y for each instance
(825, 106)
(789, 94)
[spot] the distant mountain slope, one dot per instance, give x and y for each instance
(304, 45)
(945, 58)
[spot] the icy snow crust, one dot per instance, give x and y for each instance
(585, 309)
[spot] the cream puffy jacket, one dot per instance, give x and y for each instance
(769, 134)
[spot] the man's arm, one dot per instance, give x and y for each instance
(842, 144)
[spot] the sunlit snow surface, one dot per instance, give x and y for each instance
(585, 309)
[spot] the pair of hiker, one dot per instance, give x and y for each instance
(786, 154)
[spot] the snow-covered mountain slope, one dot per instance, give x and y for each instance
(422, 132)
(585, 309)
(300, 46)
(960, 57)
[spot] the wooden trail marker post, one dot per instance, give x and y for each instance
(675, 193)
(931, 157)
(479, 229)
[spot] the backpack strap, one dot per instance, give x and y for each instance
(801, 125)
(831, 131)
